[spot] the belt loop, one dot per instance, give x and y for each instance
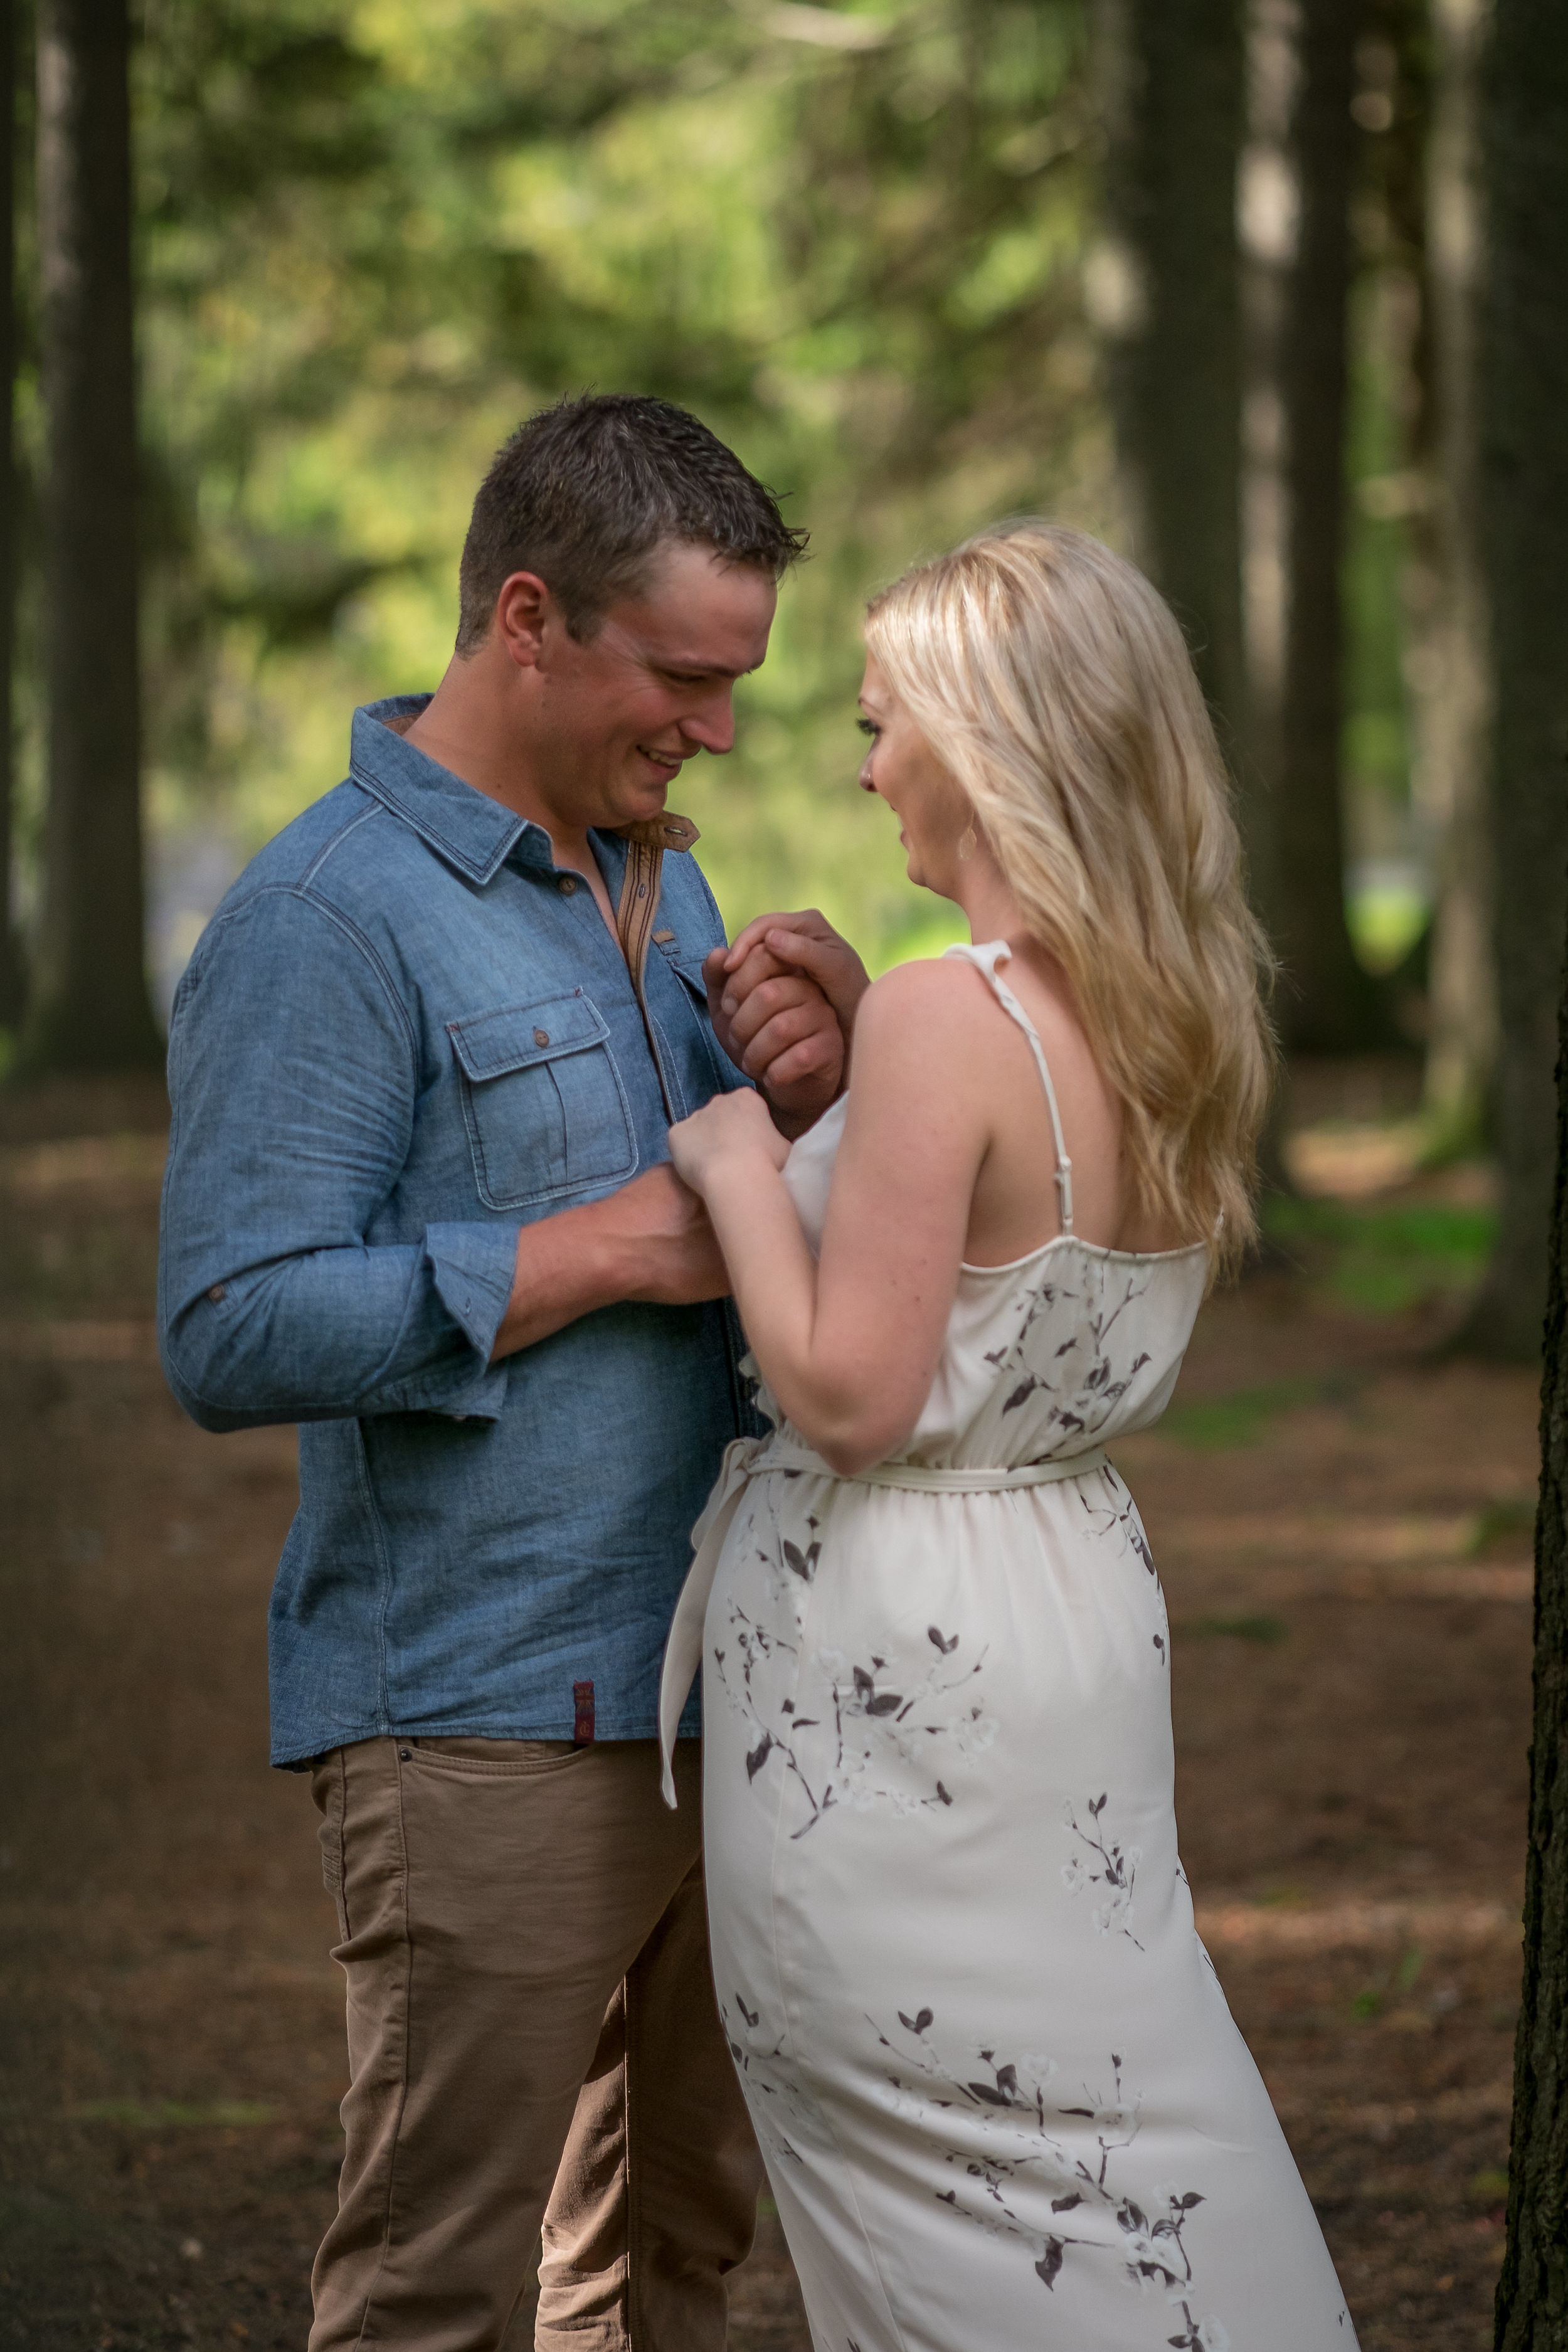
(582, 1708)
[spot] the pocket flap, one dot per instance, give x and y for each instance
(689, 968)
(517, 1035)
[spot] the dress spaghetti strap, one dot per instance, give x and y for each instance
(986, 959)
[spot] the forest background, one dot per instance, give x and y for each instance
(870, 248)
(1269, 293)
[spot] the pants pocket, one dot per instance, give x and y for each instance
(327, 1790)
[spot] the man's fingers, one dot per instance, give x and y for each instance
(741, 946)
(788, 994)
(789, 1031)
(813, 1057)
(757, 967)
(799, 948)
(807, 921)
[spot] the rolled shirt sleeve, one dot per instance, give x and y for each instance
(293, 1077)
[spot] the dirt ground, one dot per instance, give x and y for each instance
(1340, 1517)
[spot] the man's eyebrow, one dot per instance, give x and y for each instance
(676, 668)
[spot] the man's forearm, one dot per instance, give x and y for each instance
(567, 1265)
(650, 1240)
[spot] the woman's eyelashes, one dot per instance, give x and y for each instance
(869, 727)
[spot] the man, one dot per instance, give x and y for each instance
(422, 1068)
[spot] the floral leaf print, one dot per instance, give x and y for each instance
(1105, 1519)
(781, 2109)
(1084, 1372)
(1201, 2335)
(992, 2098)
(1117, 1872)
(804, 1563)
(1012, 2139)
(878, 1730)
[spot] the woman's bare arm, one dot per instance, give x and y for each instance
(849, 1345)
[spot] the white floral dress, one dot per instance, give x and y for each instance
(1001, 2099)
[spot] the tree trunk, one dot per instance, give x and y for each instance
(1451, 701)
(1525, 508)
(1163, 290)
(90, 1009)
(1532, 2290)
(1329, 1003)
(13, 981)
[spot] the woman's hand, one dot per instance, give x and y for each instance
(733, 1131)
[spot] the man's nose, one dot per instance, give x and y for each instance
(712, 726)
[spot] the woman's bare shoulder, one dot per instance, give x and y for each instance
(946, 989)
(923, 1017)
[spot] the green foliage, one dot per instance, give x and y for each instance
(1259, 1626)
(1215, 1424)
(377, 232)
(1512, 1515)
(161, 2115)
(1385, 1260)
(1389, 1984)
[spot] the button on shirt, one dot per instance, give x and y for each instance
(404, 1035)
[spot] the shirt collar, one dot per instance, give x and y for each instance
(466, 827)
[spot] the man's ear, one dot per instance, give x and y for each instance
(524, 609)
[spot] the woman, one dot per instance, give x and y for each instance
(1001, 2099)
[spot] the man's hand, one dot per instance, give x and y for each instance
(649, 1241)
(807, 943)
(783, 1001)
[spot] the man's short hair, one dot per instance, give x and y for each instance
(584, 491)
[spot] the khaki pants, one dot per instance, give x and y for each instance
(533, 2041)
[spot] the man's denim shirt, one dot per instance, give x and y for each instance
(404, 1034)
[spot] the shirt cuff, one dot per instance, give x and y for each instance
(472, 1268)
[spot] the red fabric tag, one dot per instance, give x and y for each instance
(583, 1728)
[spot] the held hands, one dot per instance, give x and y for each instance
(783, 1001)
(731, 1134)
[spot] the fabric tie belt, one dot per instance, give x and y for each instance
(758, 1457)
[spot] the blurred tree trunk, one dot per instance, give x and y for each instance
(1523, 347)
(90, 1008)
(1163, 290)
(1532, 2288)
(1451, 700)
(1329, 1003)
(13, 977)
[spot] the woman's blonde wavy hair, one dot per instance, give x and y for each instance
(1053, 681)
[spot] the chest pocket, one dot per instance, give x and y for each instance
(546, 1111)
(708, 1071)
